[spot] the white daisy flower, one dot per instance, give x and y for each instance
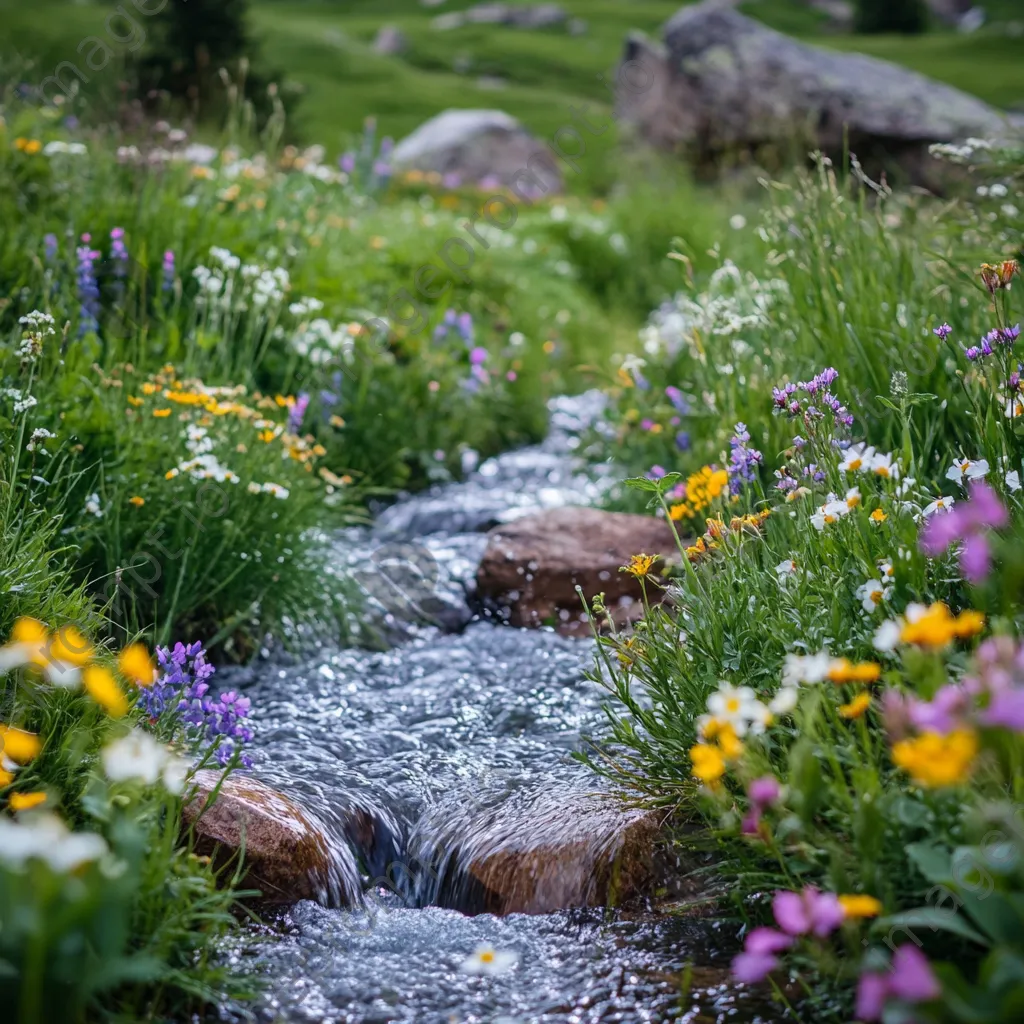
(871, 594)
(739, 707)
(886, 571)
(1013, 480)
(45, 837)
(806, 668)
(785, 569)
(966, 469)
(853, 498)
(858, 458)
(832, 511)
(489, 961)
(885, 466)
(139, 757)
(942, 504)
(785, 701)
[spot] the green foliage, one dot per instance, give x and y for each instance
(905, 16)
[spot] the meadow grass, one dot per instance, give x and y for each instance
(825, 677)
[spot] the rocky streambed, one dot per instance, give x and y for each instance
(407, 806)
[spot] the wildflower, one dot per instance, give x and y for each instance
(841, 670)
(708, 763)
(18, 745)
(25, 801)
(640, 565)
(968, 470)
(933, 760)
(858, 458)
(999, 276)
(871, 594)
(878, 516)
(489, 961)
(831, 512)
(136, 664)
(297, 413)
(941, 504)
(809, 668)
(967, 523)
(932, 627)
(883, 465)
(784, 701)
(758, 958)
(46, 838)
(99, 682)
(738, 707)
(943, 331)
(785, 569)
(762, 793)
(857, 707)
(137, 501)
(743, 460)
(859, 906)
(88, 288)
(70, 647)
(168, 271)
(138, 757)
(810, 911)
(279, 492)
(910, 979)
(161, 414)
(853, 498)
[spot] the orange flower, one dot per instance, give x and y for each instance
(136, 664)
(137, 501)
(25, 801)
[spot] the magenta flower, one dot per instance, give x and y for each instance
(910, 980)
(943, 331)
(657, 472)
(758, 958)
(810, 911)
(647, 423)
(967, 523)
(764, 791)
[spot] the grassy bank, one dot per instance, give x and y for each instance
(831, 422)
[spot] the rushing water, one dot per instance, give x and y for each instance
(440, 742)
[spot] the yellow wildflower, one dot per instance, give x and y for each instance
(707, 762)
(878, 516)
(161, 414)
(6, 777)
(102, 687)
(136, 664)
(70, 647)
(859, 905)
(935, 760)
(18, 745)
(171, 473)
(640, 565)
(25, 801)
(28, 631)
(132, 400)
(337, 422)
(935, 627)
(137, 501)
(857, 707)
(148, 388)
(842, 670)
(266, 436)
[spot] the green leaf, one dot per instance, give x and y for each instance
(934, 920)
(933, 862)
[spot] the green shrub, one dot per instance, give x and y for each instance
(905, 16)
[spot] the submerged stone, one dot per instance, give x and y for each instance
(531, 567)
(289, 853)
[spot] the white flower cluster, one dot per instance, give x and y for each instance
(44, 837)
(962, 153)
(320, 342)
(22, 403)
(58, 148)
(738, 707)
(732, 303)
(138, 757)
(233, 286)
(276, 490)
(38, 438)
(93, 506)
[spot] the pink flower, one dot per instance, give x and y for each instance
(872, 990)
(945, 712)
(912, 979)
(763, 792)
(809, 911)
(967, 523)
(758, 958)
(1006, 710)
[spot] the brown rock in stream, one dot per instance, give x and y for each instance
(548, 851)
(532, 566)
(289, 854)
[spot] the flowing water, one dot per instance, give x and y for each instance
(437, 748)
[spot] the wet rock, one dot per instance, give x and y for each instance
(541, 852)
(721, 84)
(390, 42)
(289, 854)
(477, 146)
(531, 567)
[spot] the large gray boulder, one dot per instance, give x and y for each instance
(721, 83)
(481, 146)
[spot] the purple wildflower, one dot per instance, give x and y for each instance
(347, 162)
(478, 356)
(743, 460)
(943, 331)
(50, 244)
(678, 399)
(88, 287)
(683, 441)
(657, 473)
(297, 413)
(967, 523)
(168, 271)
